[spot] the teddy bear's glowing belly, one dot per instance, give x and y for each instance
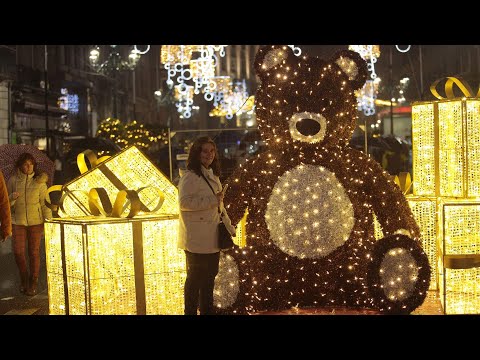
(309, 213)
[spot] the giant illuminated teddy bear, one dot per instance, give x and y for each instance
(311, 201)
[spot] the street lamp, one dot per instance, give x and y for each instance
(114, 65)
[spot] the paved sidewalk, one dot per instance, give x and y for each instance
(24, 305)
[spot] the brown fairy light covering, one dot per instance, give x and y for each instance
(311, 201)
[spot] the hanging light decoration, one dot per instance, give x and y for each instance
(216, 89)
(183, 95)
(367, 95)
(202, 68)
(176, 54)
(296, 50)
(198, 63)
(233, 100)
(190, 62)
(219, 48)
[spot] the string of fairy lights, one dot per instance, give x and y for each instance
(132, 133)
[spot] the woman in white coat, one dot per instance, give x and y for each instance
(199, 218)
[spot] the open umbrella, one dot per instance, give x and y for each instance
(9, 153)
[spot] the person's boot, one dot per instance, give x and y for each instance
(23, 283)
(32, 290)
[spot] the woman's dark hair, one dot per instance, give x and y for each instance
(194, 163)
(25, 157)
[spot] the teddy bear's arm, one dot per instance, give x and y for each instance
(237, 196)
(388, 201)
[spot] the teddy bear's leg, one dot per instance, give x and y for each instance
(250, 281)
(232, 293)
(399, 274)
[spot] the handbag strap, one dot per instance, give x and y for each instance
(211, 188)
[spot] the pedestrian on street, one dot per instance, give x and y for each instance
(27, 191)
(200, 196)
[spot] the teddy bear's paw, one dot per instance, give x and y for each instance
(231, 294)
(399, 274)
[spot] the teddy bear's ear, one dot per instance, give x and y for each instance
(354, 66)
(269, 56)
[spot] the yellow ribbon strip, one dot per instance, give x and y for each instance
(404, 182)
(461, 261)
(53, 207)
(161, 198)
(99, 202)
(461, 84)
(92, 159)
(121, 204)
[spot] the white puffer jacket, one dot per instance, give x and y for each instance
(29, 208)
(199, 217)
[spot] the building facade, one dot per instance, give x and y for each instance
(77, 97)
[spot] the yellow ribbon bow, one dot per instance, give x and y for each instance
(98, 200)
(92, 159)
(461, 84)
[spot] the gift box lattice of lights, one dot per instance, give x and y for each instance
(459, 277)
(446, 148)
(129, 169)
(424, 211)
(114, 265)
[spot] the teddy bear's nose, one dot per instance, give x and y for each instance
(308, 127)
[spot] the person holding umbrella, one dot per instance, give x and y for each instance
(27, 191)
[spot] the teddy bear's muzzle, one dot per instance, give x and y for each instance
(308, 127)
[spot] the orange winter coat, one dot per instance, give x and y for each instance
(5, 215)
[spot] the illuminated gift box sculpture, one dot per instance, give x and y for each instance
(116, 265)
(446, 169)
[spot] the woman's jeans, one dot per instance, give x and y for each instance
(21, 236)
(201, 272)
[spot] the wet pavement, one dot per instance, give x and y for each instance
(12, 302)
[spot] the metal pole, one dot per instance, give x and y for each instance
(9, 94)
(89, 114)
(170, 151)
(115, 94)
(169, 126)
(391, 91)
(47, 125)
(134, 96)
(115, 65)
(421, 70)
(366, 135)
